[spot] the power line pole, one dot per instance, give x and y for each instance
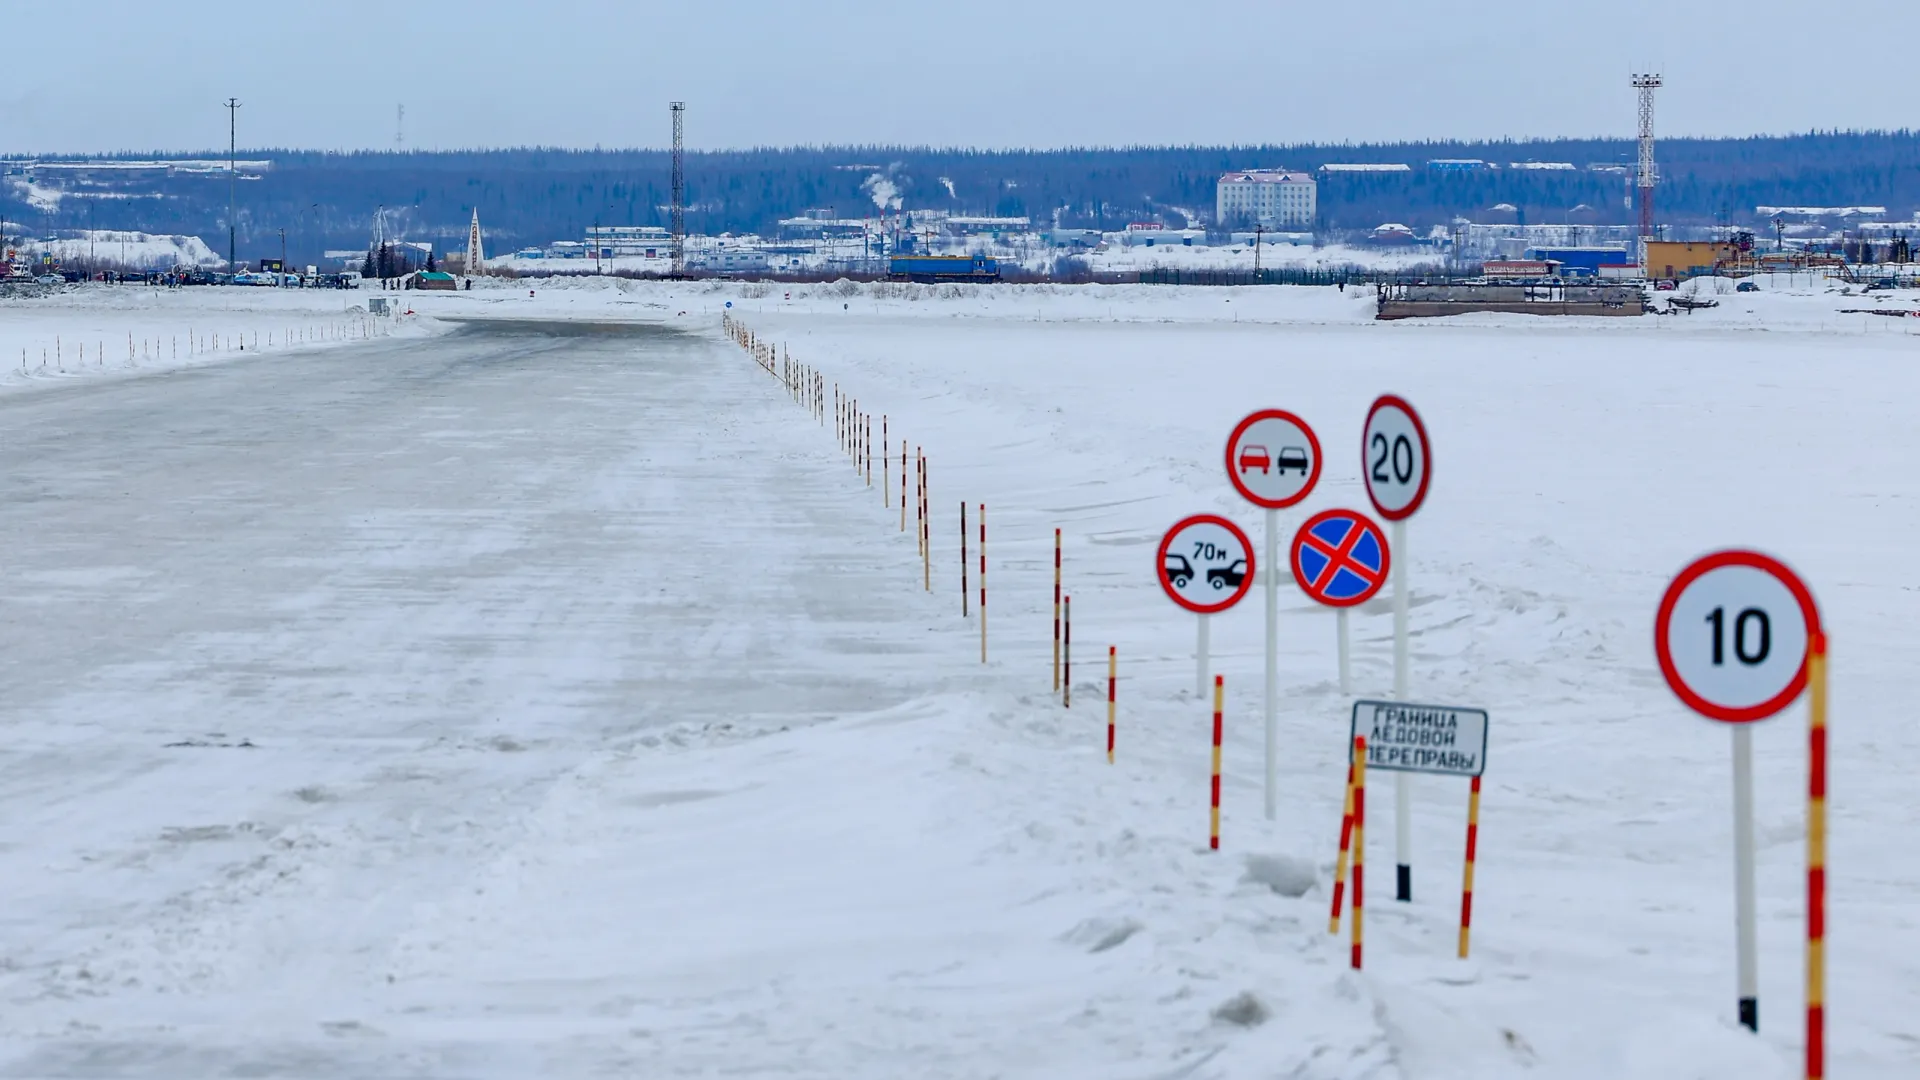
(679, 109)
(233, 127)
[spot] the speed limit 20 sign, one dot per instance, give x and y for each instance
(1396, 459)
(1732, 635)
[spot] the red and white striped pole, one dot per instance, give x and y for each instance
(926, 531)
(1340, 864)
(1219, 700)
(983, 583)
(963, 558)
(1359, 840)
(1473, 846)
(1066, 654)
(1817, 857)
(1113, 672)
(1056, 609)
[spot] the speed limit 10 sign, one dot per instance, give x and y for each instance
(1396, 459)
(1732, 635)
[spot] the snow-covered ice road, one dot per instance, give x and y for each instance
(294, 649)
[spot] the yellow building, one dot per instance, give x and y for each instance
(1669, 259)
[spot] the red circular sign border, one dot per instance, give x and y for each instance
(1662, 648)
(1386, 557)
(1426, 456)
(1233, 475)
(1160, 563)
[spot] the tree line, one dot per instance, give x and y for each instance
(533, 196)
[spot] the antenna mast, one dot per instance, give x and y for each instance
(679, 110)
(1646, 84)
(399, 127)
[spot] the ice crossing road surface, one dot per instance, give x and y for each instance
(297, 653)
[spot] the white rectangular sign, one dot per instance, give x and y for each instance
(1442, 739)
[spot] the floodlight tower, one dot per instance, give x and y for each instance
(679, 110)
(1646, 84)
(233, 167)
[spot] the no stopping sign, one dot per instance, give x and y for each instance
(1732, 635)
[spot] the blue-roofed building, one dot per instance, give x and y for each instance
(1582, 261)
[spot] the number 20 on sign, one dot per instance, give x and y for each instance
(1738, 638)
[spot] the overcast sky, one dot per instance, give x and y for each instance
(1041, 73)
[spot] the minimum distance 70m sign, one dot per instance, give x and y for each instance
(1205, 563)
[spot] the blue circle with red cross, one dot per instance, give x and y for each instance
(1340, 558)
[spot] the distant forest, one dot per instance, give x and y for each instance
(535, 196)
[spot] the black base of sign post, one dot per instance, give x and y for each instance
(1405, 890)
(1750, 1014)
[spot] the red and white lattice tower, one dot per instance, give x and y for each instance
(1646, 84)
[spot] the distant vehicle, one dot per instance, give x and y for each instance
(1221, 577)
(1665, 285)
(1179, 570)
(1292, 457)
(1746, 286)
(1252, 456)
(247, 277)
(51, 279)
(1879, 284)
(929, 269)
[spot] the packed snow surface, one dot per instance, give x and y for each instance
(537, 689)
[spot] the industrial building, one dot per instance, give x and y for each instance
(1671, 260)
(1274, 198)
(627, 241)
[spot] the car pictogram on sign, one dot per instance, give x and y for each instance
(1255, 457)
(1179, 570)
(1292, 457)
(1340, 558)
(1221, 577)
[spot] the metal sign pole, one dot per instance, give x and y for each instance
(1749, 1004)
(1346, 682)
(1272, 568)
(1402, 797)
(1200, 661)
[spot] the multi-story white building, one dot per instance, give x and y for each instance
(1275, 198)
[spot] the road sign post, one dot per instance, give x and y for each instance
(1273, 460)
(1396, 462)
(1205, 565)
(1340, 559)
(1736, 634)
(1441, 740)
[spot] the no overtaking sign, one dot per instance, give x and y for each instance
(1443, 739)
